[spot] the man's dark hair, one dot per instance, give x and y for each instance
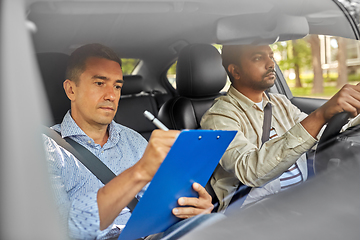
(230, 54)
(77, 62)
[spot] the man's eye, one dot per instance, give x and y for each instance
(99, 83)
(118, 87)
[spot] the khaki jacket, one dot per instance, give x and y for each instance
(245, 159)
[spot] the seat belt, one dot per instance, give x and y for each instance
(87, 158)
(242, 189)
(267, 121)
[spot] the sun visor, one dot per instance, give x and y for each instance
(260, 28)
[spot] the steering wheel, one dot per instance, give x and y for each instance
(323, 155)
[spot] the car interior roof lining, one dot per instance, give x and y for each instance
(70, 24)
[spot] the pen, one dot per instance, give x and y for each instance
(155, 121)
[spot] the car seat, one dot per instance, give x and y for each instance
(200, 77)
(133, 103)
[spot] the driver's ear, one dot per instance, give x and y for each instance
(234, 71)
(70, 89)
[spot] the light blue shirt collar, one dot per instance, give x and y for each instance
(69, 128)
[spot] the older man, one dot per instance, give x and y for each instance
(90, 209)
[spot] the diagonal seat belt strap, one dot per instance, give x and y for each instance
(267, 123)
(88, 159)
(97, 167)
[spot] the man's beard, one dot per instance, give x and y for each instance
(264, 85)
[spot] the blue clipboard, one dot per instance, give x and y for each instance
(193, 158)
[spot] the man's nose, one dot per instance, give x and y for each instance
(110, 94)
(270, 63)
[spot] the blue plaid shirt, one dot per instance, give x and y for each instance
(75, 187)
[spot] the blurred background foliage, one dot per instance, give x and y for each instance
(335, 60)
(128, 65)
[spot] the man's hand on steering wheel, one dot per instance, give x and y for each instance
(346, 100)
(335, 112)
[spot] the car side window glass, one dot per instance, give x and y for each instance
(128, 65)
(317, 65)
(171, 75)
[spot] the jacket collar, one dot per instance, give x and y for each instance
(244, 102)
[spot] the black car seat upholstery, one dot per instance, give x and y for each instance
(199, 78)
(133, 103)
(52, 68)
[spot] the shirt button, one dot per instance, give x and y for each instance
(102, 151)
(261, 116)
(300, 139)
(89, 141)
(278, 158)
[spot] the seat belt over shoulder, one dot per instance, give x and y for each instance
(87, 158)
(267, 121)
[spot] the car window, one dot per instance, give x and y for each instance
(128, 65)
(171, 73)
(317, 65)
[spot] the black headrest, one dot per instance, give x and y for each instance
(53, 67)
(199, 71)
(133, 84)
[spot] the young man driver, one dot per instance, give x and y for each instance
(89, 209)
(280, 163)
